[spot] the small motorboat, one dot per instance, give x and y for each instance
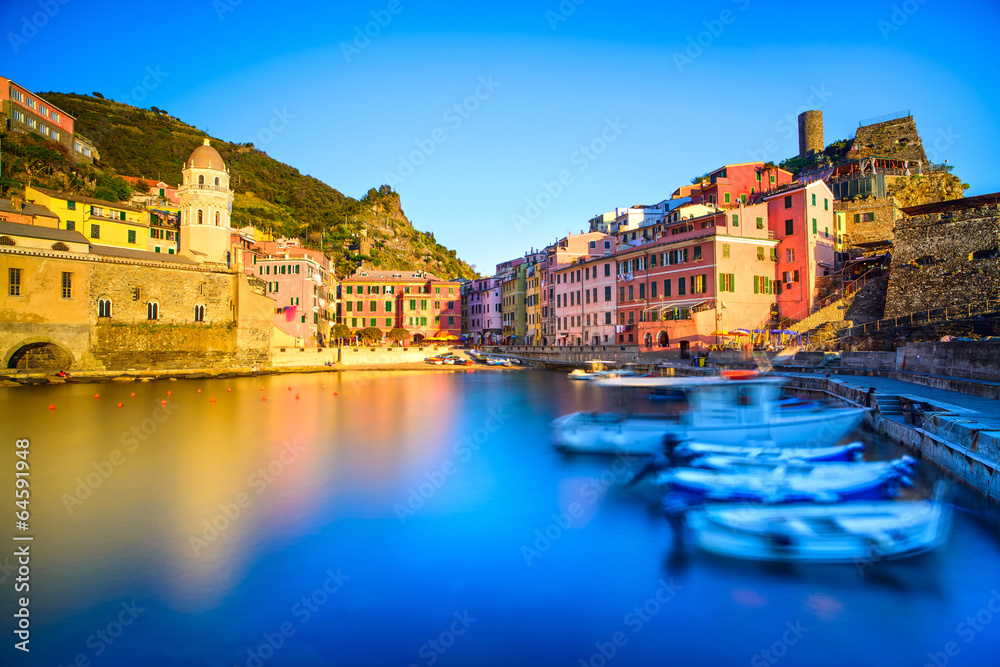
(792, 483)
(859, 532)
(747, 453)
(720, 411)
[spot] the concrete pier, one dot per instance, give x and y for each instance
(958, 432)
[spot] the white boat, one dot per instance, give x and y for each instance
(859, 532)
(721, 411)
(792, 482)
(599, 370)
(850, 452)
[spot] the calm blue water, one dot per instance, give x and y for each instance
(418, 519)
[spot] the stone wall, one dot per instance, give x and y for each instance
(973, 360)
(175, 291)
(893, 138)
(868, 360)
(371, 356)
(126, 346)
(945, 259)
(236, 328)
(869, 301)
(881, 229)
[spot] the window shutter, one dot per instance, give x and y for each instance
(857, 218)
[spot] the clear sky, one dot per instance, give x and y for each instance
(623, 101)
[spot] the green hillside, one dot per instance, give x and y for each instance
(270, 195)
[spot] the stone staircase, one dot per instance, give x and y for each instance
(831, 313)
(890, 407)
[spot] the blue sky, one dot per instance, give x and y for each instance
(621, 102)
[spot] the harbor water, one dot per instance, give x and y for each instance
(421, 518)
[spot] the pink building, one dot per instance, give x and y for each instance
(483, 323)
(585, 302)
(560, 255)
(28, 112)
(734, 183)
(702, 275)
(802, 220)
(299, 281)
(157, 189)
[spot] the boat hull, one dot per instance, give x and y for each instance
(608, 433)
(850, 532)
(831, 482)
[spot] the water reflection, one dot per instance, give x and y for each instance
(435, 493)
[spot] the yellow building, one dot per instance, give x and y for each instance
(533, 304)
(101, 222)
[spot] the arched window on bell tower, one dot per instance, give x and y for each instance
(217, 218)
(200, 216)
(216, 181)
(201, 179)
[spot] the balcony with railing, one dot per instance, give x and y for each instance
(204, 186)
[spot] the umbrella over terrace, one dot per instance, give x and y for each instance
(442, 336)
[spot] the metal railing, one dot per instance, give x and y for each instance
(881, 119)
(929, 316)
(848, 289)
(205, 186)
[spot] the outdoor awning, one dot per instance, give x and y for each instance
(670, 305)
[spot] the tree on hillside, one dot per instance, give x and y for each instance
(36, 158)
(112, 188)
(398, 335)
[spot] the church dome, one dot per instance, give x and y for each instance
(205, 157)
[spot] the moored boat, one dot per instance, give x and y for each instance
(792, 483)
(859, 532)
(721, 411)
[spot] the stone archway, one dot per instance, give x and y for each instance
(39, 355)
(662, 339)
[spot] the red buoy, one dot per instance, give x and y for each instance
(263, 398)
(163, 402)
(132, 395)
(289, 389)
(296, 397)
(97, 395)
(336, 394)
(229, 388)
(119, 404)
(213, 399)
(169, 392)
(52, 406)
(199, 391)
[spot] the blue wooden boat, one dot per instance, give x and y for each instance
(858, 531)
(794, 483)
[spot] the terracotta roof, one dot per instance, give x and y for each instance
(382, 276)
(85, 200)
(36, 232)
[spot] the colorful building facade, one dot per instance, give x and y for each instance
(101, 222)
(419, 302)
